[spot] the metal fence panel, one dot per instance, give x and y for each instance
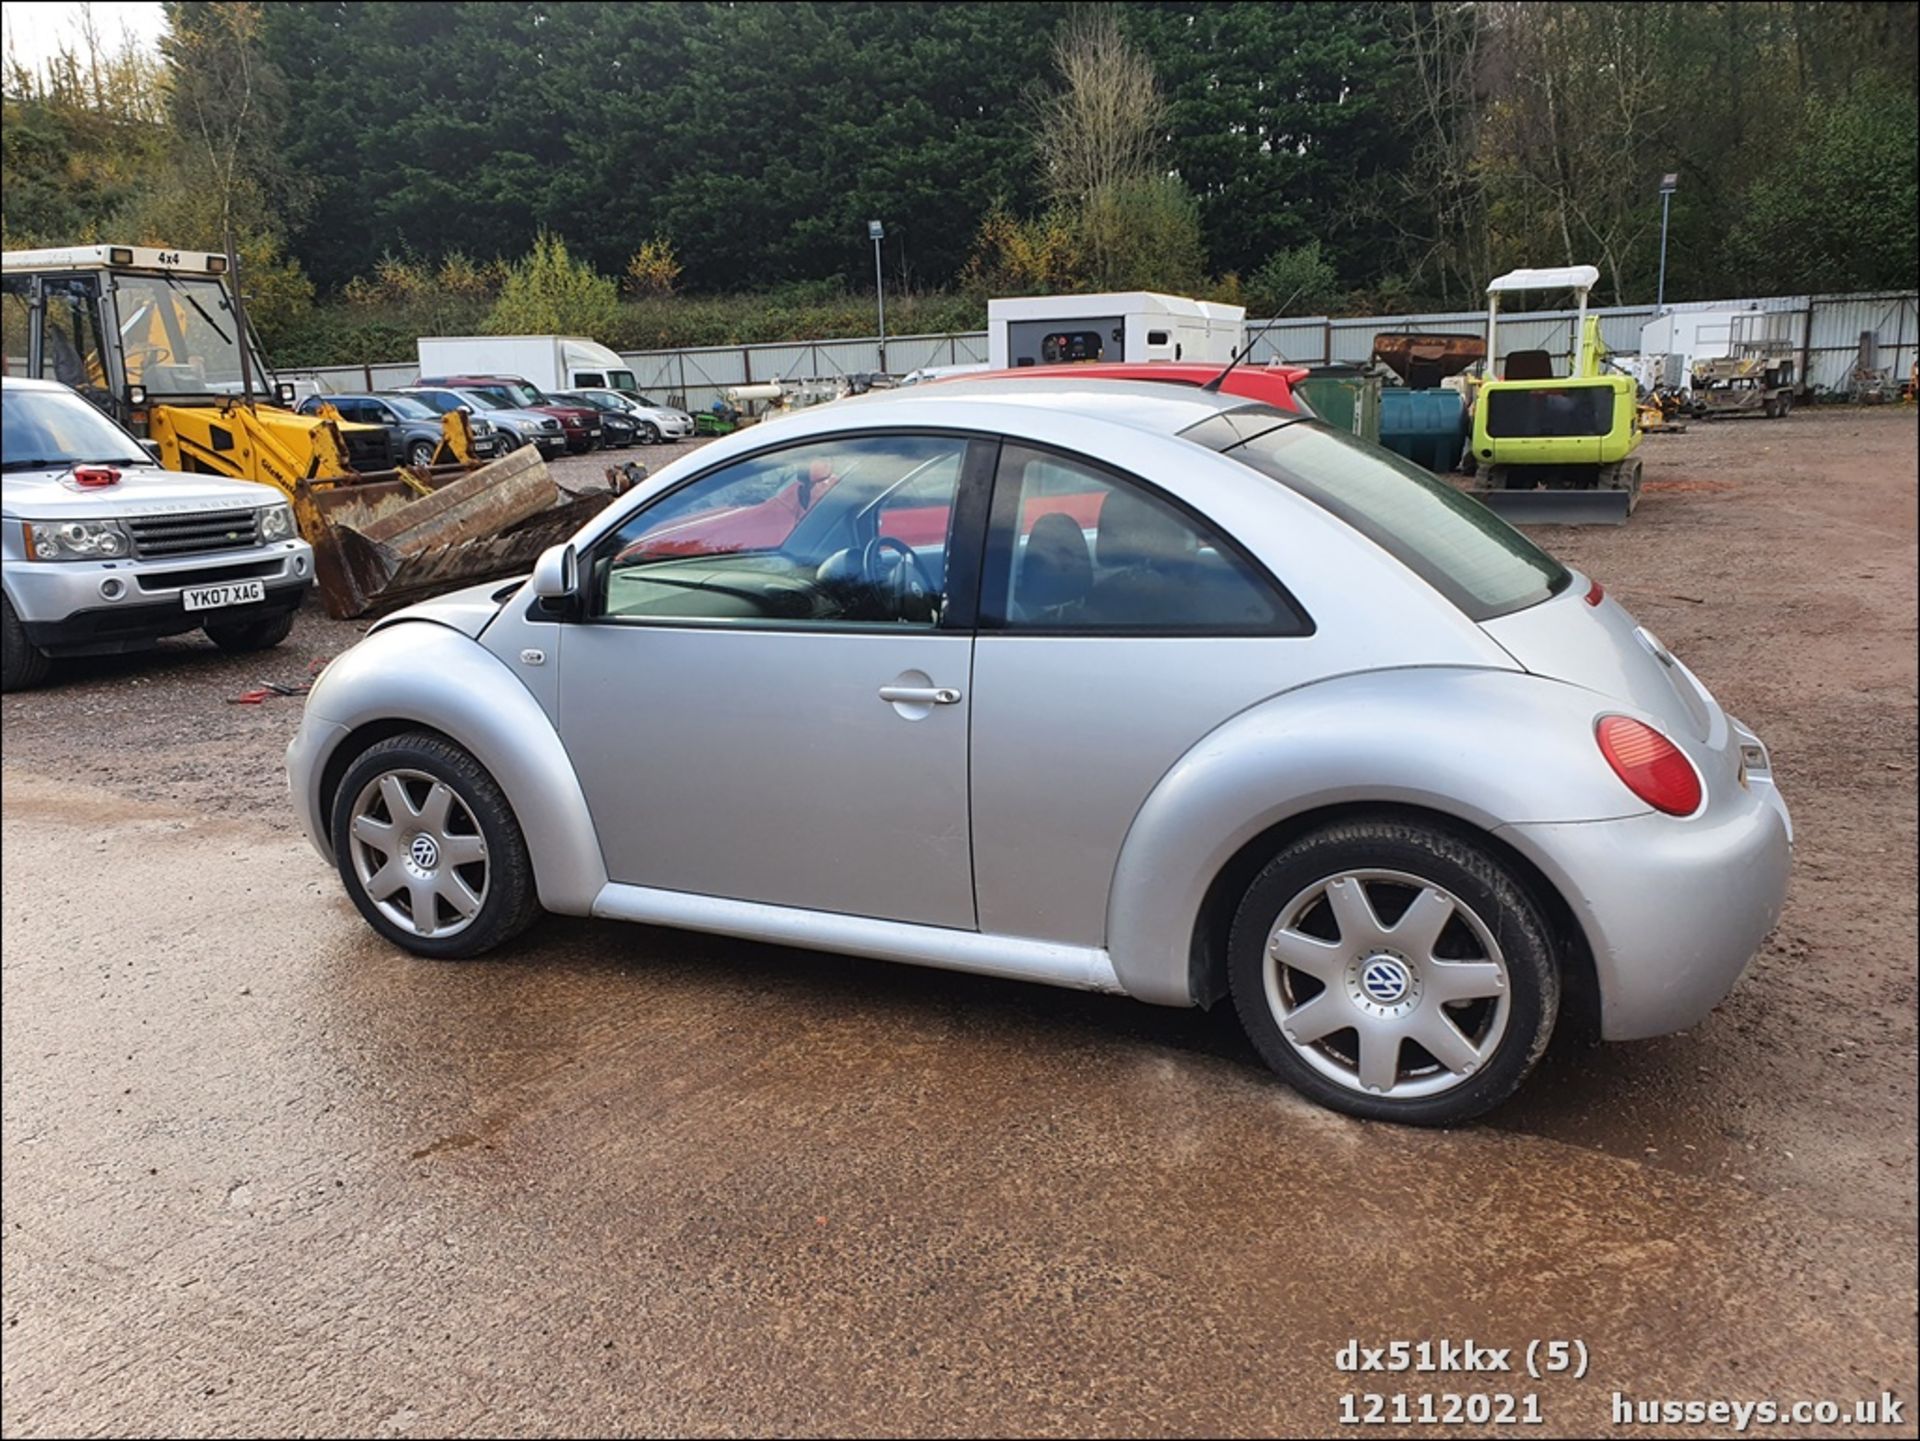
(1832, 336)
(1828, 329)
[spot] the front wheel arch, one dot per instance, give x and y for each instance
(356, 744)
(1208, 959)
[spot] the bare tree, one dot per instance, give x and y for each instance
(1437, 204)
(1578, 105)
(1101, 128)
(214, 89)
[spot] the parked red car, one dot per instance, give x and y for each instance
(766, 525)
(580, 423)
(1270, 383)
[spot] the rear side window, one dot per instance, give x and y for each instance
(1075, 547)
(1465, 551)
(1522, 414)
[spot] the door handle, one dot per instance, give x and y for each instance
(919, 695)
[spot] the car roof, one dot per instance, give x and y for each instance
(28, 382)
(1144, 405)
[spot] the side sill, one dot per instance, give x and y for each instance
(1049, 963)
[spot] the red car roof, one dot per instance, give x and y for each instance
(1270, 383)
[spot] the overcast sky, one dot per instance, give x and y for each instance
(34, 29)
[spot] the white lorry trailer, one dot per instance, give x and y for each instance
(551, 362)
(1118, 326)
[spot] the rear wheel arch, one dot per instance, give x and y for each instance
(1208, 956)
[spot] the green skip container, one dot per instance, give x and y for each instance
(1346, 397)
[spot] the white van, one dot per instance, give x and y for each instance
(551, 362)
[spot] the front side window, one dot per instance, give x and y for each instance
(591, 379)
(70, 340)
(1080, 548)
(1458, 546)
(853, 531)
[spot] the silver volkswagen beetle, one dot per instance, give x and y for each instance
(1121, 686)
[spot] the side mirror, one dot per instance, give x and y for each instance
(283, 392)
(556, 574)
(152, 448)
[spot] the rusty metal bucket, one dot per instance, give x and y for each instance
(1423, 361)
(382, 541)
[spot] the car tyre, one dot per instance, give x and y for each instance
(420, 454)
(240, 636)
(649, 433)
(422, 763)
(1493, 929)
(23, 664)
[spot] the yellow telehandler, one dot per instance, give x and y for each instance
(154, 338)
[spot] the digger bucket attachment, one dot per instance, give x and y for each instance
(382, 541)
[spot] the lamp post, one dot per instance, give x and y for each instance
(876, 232)
(1668, 183)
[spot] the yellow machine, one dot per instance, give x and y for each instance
(155, 339)
(1556, 448)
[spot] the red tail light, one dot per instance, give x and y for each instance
(1650, 765)
(1596, 593)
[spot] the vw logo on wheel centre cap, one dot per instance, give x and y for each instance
(425, 853)
(1385, 981)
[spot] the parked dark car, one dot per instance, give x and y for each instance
(413, 427)
(580, 423)
(617, 426)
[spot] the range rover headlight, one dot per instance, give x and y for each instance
(276, 523)
(76, 540)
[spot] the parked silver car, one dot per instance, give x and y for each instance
(105, 551)
(1120, 686)
(511, 427)
(655, 421)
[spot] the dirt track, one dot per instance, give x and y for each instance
(265, 1175)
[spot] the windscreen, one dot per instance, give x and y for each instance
(514, 392)
(47, 429)
(1465, 551)
(180, 336)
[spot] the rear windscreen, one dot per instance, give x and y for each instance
(1533, 414)
(1458, 546)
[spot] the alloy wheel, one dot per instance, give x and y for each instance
(419, 853)
(1387, 984)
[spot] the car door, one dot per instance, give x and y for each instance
(378, 412)
(766, 692)
(1117, 628)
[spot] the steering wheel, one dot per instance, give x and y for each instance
(913, 589)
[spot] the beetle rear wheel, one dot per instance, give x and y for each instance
(1395, 971)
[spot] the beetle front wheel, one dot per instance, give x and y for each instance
(429, 849)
